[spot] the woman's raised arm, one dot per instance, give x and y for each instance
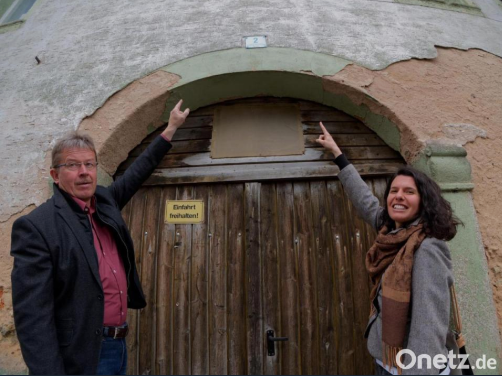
(361, 196)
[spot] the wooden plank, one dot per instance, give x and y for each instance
(165, 283)
(236, 281)
(204, 159)
(136, 230)
(255, 337)
(290, 318)
(336, 127)
(191, 146)
(217, 281)
(355, 154)
(367, 237)
(328, 115)
(327, 294)
(147, 328)
(313, 106)
(344, 140)
(181, 293)
(271, 290)
(261, 172)
(131, 314)
(304, 241)
(357, 252)
(199, 289)
(184, 133)
(345, 319)
(204, 111)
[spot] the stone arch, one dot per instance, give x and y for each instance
(132, 113)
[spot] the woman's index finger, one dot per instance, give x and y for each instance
(323, 128)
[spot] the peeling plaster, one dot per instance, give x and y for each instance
(92, 49)
(461, 134)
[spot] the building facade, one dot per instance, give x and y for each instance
(399, 81)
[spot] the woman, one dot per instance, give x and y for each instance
(409, 264)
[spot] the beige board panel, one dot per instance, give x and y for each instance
(257, 130)
(182, 212)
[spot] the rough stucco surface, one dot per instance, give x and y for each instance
(91, 49)
(121, 122)
(456, 88)
(11, 361)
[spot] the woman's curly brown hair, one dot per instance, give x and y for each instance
(435, 211)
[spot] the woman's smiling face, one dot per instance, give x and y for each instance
(403, 202)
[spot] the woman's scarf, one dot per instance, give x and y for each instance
(393, 254)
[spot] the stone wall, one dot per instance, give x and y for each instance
(91, 49)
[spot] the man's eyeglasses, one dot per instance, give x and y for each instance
(75, 166)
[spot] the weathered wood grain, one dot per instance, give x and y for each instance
(199, 289)
(217, 276)
(255, 332)
(136, 230)
(190, 146)
(304, 242)
(269, 171)
(344, 140)
(181, 292)
(336, 127)
(148, 267)
(327, 294)
(369, 155)
(271, 296)
(165, 286)
(290, 318)
(357, 253)
(345, 319)
(236, 277)
(325, 115)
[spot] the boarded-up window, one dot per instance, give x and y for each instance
(256, 130)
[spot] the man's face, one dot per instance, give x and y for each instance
(80, 183)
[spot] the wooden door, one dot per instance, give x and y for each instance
(286, 256)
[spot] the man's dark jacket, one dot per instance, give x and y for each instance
(56, 287)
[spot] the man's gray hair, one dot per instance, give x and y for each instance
(72, 140)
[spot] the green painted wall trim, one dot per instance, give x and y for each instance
(464, 6)
(385, 128)
(281, 72)
(215, 89)
(447, 165)
(11, 26)
(4, 5)
(472, 284)
(254, 60)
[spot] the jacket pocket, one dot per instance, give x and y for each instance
(64, 329)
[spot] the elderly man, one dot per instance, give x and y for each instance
(74, 273)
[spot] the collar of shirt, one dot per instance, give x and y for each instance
(90, 209)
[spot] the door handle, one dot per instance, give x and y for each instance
(270, 342)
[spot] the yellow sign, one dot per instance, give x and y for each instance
(184, 212)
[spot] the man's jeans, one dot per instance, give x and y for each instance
(113, 357)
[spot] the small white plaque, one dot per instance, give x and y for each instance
(256, 42)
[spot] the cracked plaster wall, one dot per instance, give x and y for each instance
(91, 49)
(453, 99)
